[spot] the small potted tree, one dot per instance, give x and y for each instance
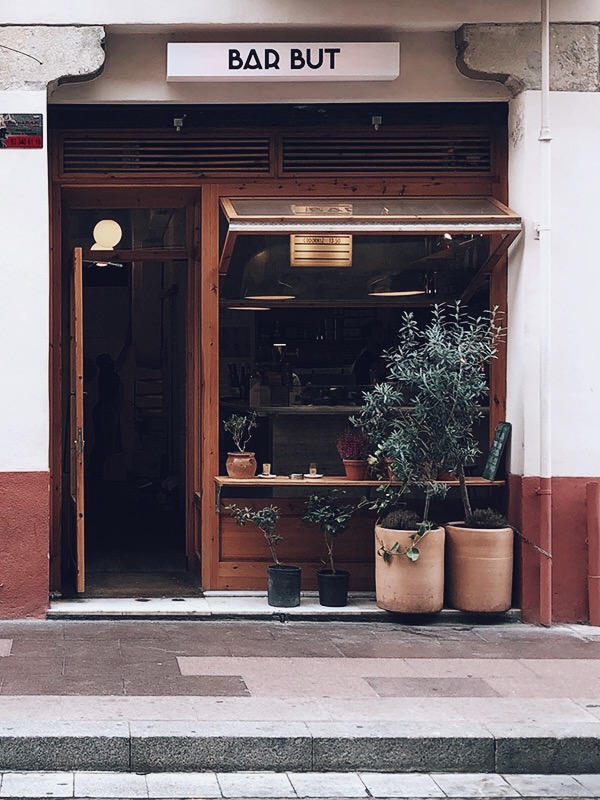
(353, 448)
(333, 518)
(283, 580)
(241, 463)
(437, 381)
(445, 362)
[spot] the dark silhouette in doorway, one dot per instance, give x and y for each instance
(106, 415)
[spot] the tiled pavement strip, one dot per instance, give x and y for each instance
(421, 689)
(212, 785)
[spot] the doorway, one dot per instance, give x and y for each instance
(134, 341)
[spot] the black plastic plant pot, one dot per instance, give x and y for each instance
(333, 587)
(283, 585)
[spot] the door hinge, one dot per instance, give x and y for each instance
(79, 442)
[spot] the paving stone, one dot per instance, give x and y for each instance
(109, 784)
(431, 687)
(5, 647)
(37, 784)
(255, 784)
(591, 783)
(327, 784)
(481, 785)
(546, 785)
(553, 749)
(169, 785)
(400, 785)
(64, 745)
(220, 746)
(403, 746)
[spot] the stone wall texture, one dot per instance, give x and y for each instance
(511, 54)
(36, 56)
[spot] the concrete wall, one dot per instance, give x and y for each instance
(575, 388)
(409, 14)
(135, 71)
(24, 234)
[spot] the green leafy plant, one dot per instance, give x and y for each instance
(330, 515)
(240, 426)
(265, 519)
(353, 445)
(411, 552)
(423, 418)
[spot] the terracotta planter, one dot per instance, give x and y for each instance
(410, 587)
(479, 568)
(241, 465)
(356, 470)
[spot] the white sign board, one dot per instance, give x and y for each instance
(272, 61)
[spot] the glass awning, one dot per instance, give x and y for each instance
(377, 216)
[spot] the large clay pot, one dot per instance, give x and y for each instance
(479, 568)
(356, 470)
(405, 586)
(240, 465)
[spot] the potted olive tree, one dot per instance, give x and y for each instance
(422, 420)
(283, 580)
(241, 463)
(409, 549)
(446, 362)
(443, 366)
(333, 518)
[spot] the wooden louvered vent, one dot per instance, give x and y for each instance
(383, 154)
(160, 154)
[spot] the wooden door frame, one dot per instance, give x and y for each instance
(109, 196)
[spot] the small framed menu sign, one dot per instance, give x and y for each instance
(21, 131)
(501, 435)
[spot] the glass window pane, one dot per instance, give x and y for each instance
(141, 228)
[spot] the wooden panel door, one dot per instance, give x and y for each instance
(76, 504)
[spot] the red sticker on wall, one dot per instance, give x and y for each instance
(21, 131)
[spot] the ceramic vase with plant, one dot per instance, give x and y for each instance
(479, 562)
(425, 419)
(445, 363)
(283, 580)
(353, 448)
(241, 463)
(333, 518)
(409, 555)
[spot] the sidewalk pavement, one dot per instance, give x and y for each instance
(203, 695)
(293, 785)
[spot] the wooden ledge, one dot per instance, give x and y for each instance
(326, 480)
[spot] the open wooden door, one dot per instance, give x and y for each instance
(76, 441)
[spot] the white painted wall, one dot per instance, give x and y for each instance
(575, 122)
(24, 337)
(136, 68)
(341, 14)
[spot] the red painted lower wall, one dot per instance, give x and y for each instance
(24, 538)
(569, 546)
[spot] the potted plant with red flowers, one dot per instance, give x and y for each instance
(353, 448)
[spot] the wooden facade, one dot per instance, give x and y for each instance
(137, 169)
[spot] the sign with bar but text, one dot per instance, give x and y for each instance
(287, 61)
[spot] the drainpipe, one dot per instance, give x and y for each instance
(593, 536)
(545, 286)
